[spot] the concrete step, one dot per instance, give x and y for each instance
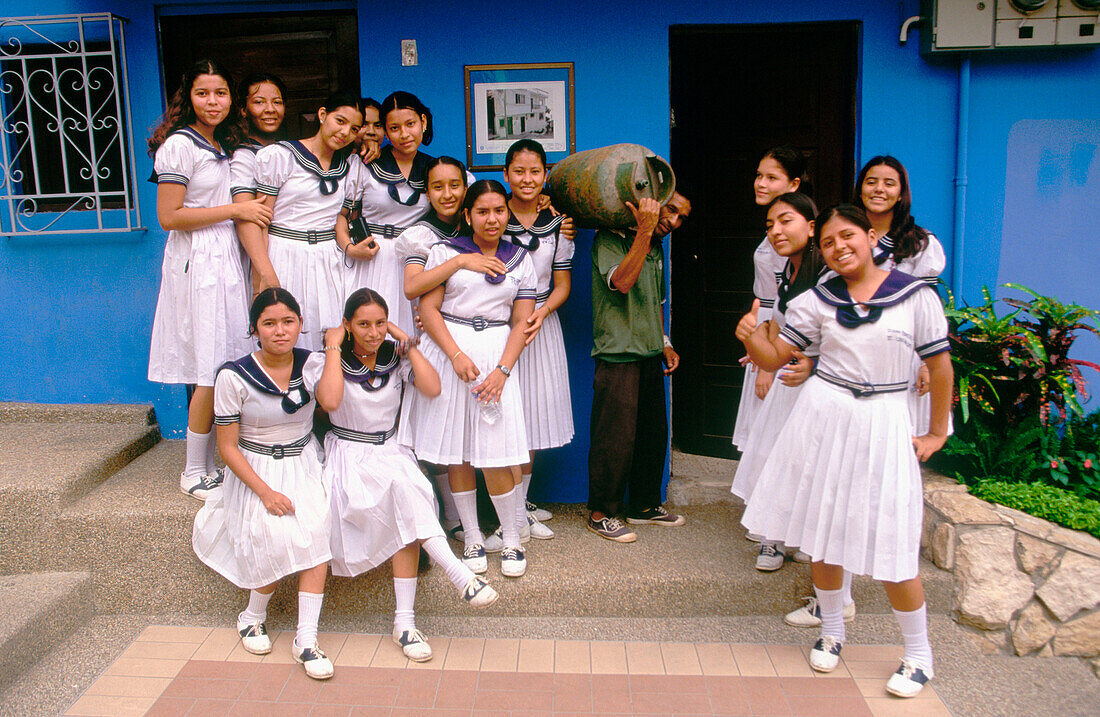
(40, 611)
(48, 465)
(133, 533)
(15, 412)
(701, 480)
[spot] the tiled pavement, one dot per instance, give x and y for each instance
(174, 670)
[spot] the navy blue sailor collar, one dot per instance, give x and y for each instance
(896, 288)
(250, 370)
(386, 171)
(329, 179)
(506, 251)
(384, 364)
(199, 141)
(250, 144)
(545, 224)
(440, 228)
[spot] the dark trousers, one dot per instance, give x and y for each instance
(629, 435)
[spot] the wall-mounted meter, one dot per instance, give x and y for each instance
(967, 25)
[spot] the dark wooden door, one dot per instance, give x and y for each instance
(737, 90)
(314, 54)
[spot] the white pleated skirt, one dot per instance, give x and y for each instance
(385, 273)
(451, 428)
(843, 483)
(201, 319)
(747, 409)
(238, 538)
(381, 502)
(314, 274)
(544, 385)
(774, 412)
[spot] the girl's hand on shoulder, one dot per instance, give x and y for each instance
(482, 263)
(335, 336)
(489, 390)
(369, 151)
(395, 331)
(797, 373)
(364, 250)
(544, 203)
(465, 367)
(253, 210)
(927, 445)
(416, 319)
(534, 325)
(277, 503)
(568, 229)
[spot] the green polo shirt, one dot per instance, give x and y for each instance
(625, 327)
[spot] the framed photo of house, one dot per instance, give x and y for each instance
(509, 102)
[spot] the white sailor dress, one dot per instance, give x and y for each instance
(201, 318)
(302, 235)
(234, 533)
(543, 366)
(451, 428)
(390, 204)
(380, 500)
(242, 180)
(927, 264)
(842, 481)
(768, 267)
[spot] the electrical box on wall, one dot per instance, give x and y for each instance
(969, 25)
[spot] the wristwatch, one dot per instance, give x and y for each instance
(504, 370)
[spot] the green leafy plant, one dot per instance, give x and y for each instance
(1043, 501)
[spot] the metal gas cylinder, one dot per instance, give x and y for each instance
(593, 186)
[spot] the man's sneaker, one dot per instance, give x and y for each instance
(826, 654)
(413, 644)
(474, 558)
(754, 537)
(809, 615)
(537, 530)
(655, 516)
(612, 529)
(908, 681)
(540, 514)
(479, 593)
(453, 529)
(254, 637)
(198, 487)
(771, 556)
(513, 562)
(315, 662)
(800, 557)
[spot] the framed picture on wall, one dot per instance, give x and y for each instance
(509, 102)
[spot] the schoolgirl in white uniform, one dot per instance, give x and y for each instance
(201, 319)
(305, 181)
(790, 225)
(781, 170)
(843, 478)
(271, 518)
(383, 507)
(476, 323)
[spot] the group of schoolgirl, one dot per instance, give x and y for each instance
(291, 277)
(847, 319)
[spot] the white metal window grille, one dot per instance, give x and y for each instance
(66, 136)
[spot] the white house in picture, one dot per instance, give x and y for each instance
(515, 113)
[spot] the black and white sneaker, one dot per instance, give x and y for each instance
(254, 637)
(825, 655)
(198, 487)
(655, 516)
(513, 562)
(315, 662)
(474, 557)
(218, 475)
(479, 593)
(908, 681)
(413, 644)
(540, 514)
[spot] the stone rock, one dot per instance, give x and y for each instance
(936, 481)
(1081, 637)
(1032, 630)
(1024, 523)
(1073, 587)
(963, 508)
(1037, 557)
(1047, 651)
(943, 546)
(928, 524)
(1095, 664)
(1079, 540)
(991, 589)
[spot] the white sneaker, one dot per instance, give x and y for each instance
(809, 615)
(495, 542)
(479, 593)
(315, 662)
(771, 556)
(413, 644)
(800, 557)
(199, 487)
(474, 558)
(537, 530)
(908, 681)
(540, 514)
(754, 537)
(254, 637)
(825, 655)
(513, 562)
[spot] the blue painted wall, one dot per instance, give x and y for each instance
(76, 312)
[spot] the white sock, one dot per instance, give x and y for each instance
(846, 587)
(506, 511)
(211, 462)
(450, 510)
(309, 613)
(404, 590)
(526, 482)
(914, 631)
(466, 504)
(257, 607)
(440, 552)
(520, 503)
(197, 446)
(832, 613)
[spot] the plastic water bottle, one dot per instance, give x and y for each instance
(490, 412)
